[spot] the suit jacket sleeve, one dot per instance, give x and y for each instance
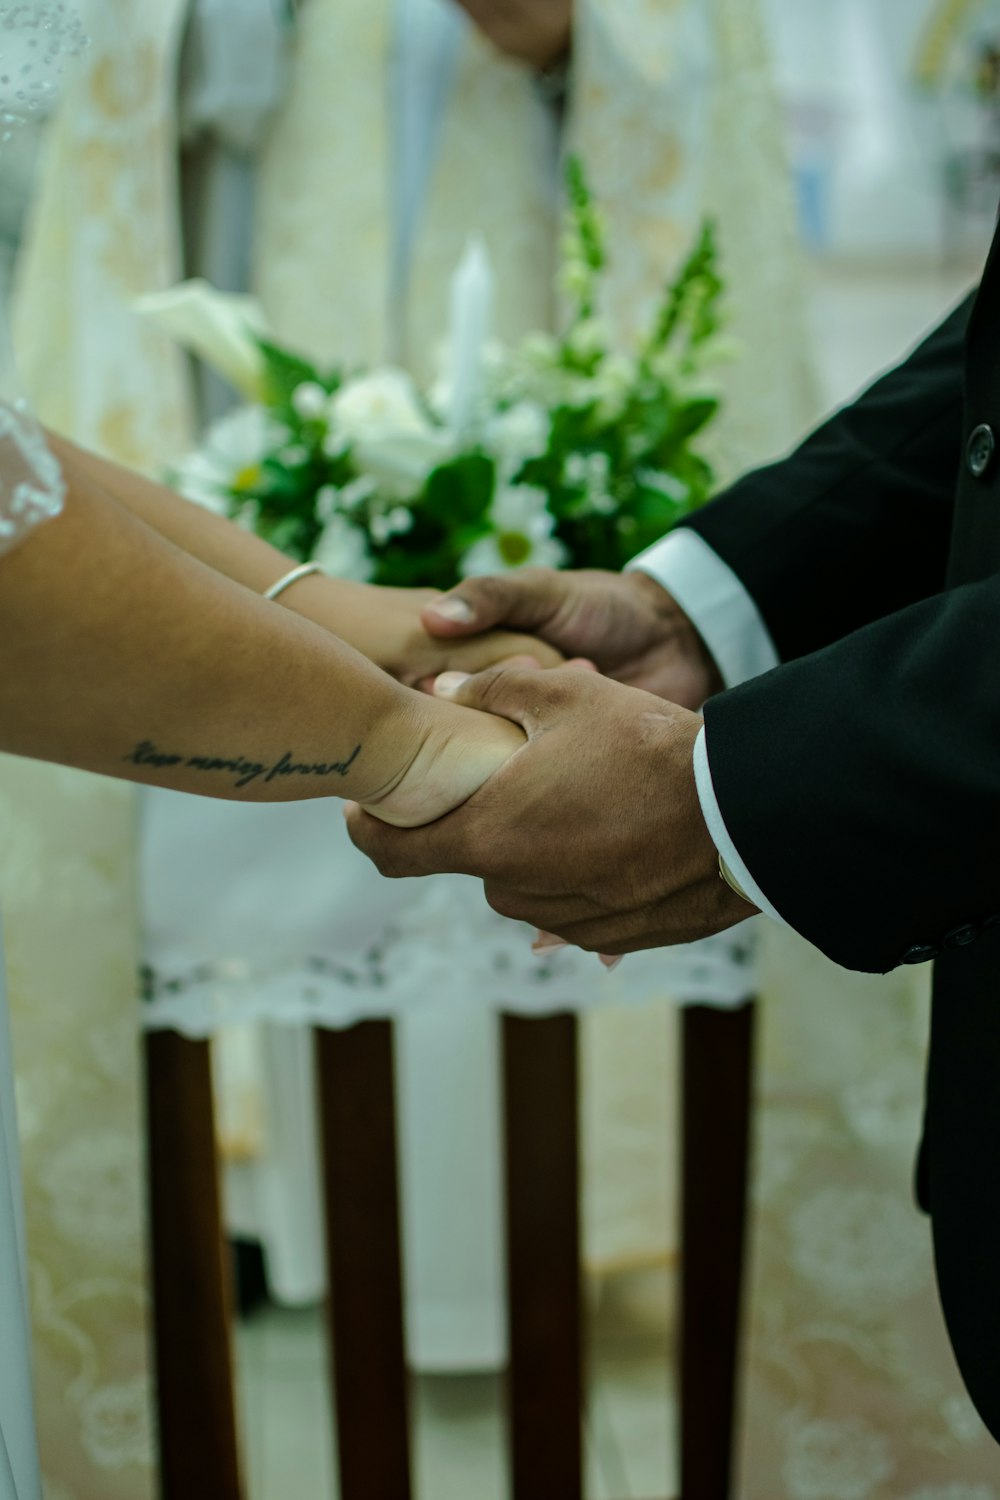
(854, 525)
(861, 785)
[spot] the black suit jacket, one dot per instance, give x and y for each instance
(860, 780)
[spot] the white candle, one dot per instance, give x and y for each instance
(472, 291)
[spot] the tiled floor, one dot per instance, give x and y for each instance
(861, 321)
(459, 1436)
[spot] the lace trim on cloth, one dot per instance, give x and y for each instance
(31, 483)
(420, 957)
(33, 41)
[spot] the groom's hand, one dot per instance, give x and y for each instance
(593, 831)
(625, 623)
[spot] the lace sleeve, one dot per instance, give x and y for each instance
(35, 39)
(31, 485)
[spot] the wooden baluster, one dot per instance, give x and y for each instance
(192, 1301)
(541, 1138)
(359, 1153)
(717, 1079)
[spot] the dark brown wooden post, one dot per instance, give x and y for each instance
(199, 1446)
(543, 1257)
(717, 1081)
(358, 1135)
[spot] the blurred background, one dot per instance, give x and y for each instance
(333, 157)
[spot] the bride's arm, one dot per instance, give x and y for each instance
(382, 623)
(121, 654)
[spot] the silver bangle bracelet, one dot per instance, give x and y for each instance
(304, 570)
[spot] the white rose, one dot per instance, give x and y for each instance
(401, 462)
(386, 398)
(390, 435)
(218, 327)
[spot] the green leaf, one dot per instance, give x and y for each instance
(460, 491)
(690, 418)
(691, 302)
(284, 372)
(584, 254)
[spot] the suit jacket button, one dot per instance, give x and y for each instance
(980, 450)
(961, 937)
(921, 953)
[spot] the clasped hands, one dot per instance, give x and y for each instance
(593, 831)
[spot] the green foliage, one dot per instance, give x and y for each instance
(584, 251)
(690, 307)
(284, 372)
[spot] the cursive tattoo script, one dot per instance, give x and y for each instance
(246, 771)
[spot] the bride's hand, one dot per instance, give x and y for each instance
(385, 625)
(447, 754)
(453, 752)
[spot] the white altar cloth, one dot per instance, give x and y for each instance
(268, 914)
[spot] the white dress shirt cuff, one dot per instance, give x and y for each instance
(715, 601)
(721, 837)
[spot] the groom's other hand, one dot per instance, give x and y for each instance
(593, 831)
(629, 626)
(536, 32)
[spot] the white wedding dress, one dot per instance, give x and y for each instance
(18, 1459)
(33, 39)
(30, 491)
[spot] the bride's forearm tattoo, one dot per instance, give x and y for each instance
(244, 769)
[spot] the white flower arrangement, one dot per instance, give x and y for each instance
(560, 451)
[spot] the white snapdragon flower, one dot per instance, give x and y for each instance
(668, 484)
(588, 338)
(358, 492)
(591, 472)
(327, 503)
(230, 458)
(613, 384)
(522, 535)
(387, 524)
(342, 551)
(517, 435)
(389, 433)
(331, 501)
(579, 391)
(576, 277)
